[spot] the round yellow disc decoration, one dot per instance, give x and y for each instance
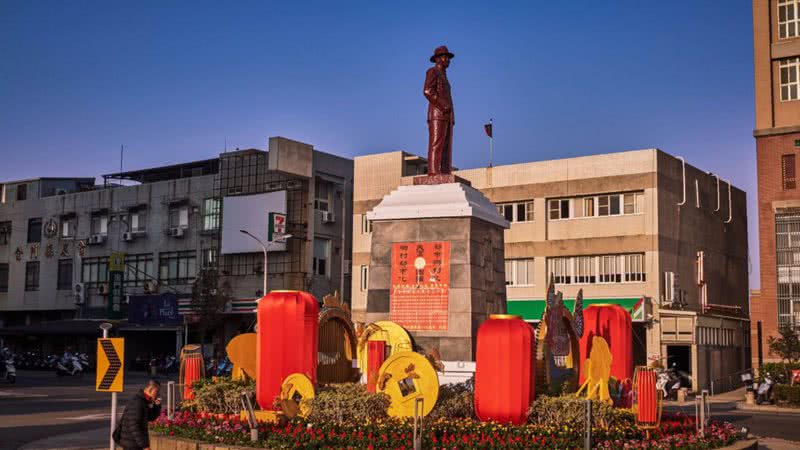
(405, 377)
(396, 337)
(294, 389)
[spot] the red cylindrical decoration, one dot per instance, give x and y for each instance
(288, 325)
(504, 372)
(190, 375)
(612, 323)
(646, 397)
(376, 355)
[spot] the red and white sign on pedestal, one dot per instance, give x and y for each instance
(420, 285)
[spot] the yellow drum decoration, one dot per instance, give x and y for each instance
(396, 337)
(405, 377)
(242, 353)
(294, 389)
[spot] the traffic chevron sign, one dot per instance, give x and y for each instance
(110, 359)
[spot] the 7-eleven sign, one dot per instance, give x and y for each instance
(277, 226)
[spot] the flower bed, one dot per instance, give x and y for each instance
(676, 432)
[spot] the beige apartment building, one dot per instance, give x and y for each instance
(642, 229)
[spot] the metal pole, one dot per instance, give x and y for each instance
(419, 409)
(111, 445)
(170, 399)
(587, 434)
(265, 268)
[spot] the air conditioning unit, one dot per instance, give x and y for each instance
(176, 232)
(78, 293)
(127, 237)
(96, 239)
(670, 287)
(150, 287)
(328, 217)
(102, 289)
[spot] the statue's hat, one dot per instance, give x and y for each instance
(441, 51)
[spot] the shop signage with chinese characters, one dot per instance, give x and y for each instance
(420, 285)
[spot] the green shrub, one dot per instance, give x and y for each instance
(456, 401)
(220, 396)
(345, 403)
(786, 393)
(569, 411)
(780, 371)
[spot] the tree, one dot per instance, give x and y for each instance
(210, 296)
(787, 346)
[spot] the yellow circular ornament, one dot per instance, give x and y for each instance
(294, 389)
(396, 337)
(406, 377)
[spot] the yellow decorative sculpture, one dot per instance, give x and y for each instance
(242, 353)
(294, 389)
(396, 337)
(406, 377)
(598, 372)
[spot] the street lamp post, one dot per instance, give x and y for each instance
(265, 248)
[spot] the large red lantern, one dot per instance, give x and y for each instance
(504, 372)
(612, 323)
(286, 342)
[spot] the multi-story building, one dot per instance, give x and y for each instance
(56, 237)
(642, 229)
(776, 46)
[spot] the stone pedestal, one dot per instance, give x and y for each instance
(437, 265)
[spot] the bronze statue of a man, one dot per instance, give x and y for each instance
(441, 117)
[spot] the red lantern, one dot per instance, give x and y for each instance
(376, 355)
(648, 400)
(612, 323)
(504, 372)
(286, 343)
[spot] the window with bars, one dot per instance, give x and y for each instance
(210, 256)
(94, 270)
(790, 81)
(560, 269)
(139, 269)
(627, 268)
(211, 213)
(788, 172)
(788, 21)
(634, 267)
(244, 264)
(519, 272)
(177, 267)
(787, 245)
(64, 280)
(3, 277)
(585, 270)
(610, 269)
(516, 211)
(32, 276)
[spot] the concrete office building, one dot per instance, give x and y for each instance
(776, 47)
(171, 222)
(641, 229)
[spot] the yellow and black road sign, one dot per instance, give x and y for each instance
(110, 359)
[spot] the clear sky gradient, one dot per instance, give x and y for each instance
(173, 81)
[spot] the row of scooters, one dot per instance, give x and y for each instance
(38, 361)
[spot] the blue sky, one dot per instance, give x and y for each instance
(172, 81)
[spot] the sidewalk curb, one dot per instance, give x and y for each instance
(742, 406)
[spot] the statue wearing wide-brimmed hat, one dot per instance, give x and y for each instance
(441, 116)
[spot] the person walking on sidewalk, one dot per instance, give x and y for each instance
(144, 407)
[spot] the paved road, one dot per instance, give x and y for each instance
(781, 426)
(41, 405)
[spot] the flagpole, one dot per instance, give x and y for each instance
(491, 144)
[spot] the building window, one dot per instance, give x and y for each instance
(179, 217)
(560, 269)
(366, 224)
(3, 277)
(3, 189)
(559, 208)
(242, 264)
(64, 282)
(364, 278)
(632, 202)
(787, 246)
(608, 205)
(22, 192)
(32, 276)
(34, 230)
(94, 270)
(519, 272)
(789, 78)
(634, 267)
(322, 195)
(789, 172)
(585, 270)
(211, 211)
(209, 258)
(5, 232)
(588, 207)
(787, 19)
(322, 254)
(69, 226)
(177, 267)
(99, 224)
(137, 221)
(610, 269)
(516, 211)
(139, 269)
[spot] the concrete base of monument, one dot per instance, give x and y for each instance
(436, 265)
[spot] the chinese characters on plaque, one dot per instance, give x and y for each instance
(420, 285)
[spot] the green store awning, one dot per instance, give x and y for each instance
(532, 310)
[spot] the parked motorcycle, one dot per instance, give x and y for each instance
(69, 366)
(668, 382)
(764, 390)
(9, 369)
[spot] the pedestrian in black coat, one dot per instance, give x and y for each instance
(144, 407)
